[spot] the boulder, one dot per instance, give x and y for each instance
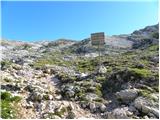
(127, 95)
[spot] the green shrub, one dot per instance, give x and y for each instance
(98, 100)
(99, 78)
(16, 98)
(6, 96)
(155, 35)
(142, 72)
(7, 110)
(61, 112)
(7, 79)
(5, 64)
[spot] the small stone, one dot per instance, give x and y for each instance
(50, 97)
(146, 117)
(102, 69)
(102, 108)
(58, 97)
(92, 107)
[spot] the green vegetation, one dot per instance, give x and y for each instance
(16, 67)
(16, 98)
(6, 96)
(49, 59)
(85, 65)
(66, 78)
(7, 79)
(155, 35)
(153, 48)
(147, 93)
(8, 111)
(60, 112)
(5, 64)
(141, 72)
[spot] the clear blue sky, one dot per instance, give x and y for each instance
(34, 21)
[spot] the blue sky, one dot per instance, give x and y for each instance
(35, 21)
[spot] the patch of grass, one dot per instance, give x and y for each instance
(100, 78)
(155, 35)
(153, 48)
(144, 92)
(16, 98)
(8, 111)
(85, 65)
(98, 90)
(61, 112)
(142, 72)
(98, 100)
(7, 79)
(51, 61)
(5, 64)
(65, 78)
(156, 88)
(6, 96)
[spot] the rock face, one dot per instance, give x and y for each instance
(127, 95)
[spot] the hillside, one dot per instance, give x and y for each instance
(59, 79)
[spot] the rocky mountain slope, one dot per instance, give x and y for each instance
(59, 79)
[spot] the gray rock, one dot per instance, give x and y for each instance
(36, 96)
(91, 96)
(84, 104)
(146, 117)
(118, 113)
(127, 95)
(146, 109)
(70, 94)
(155, 112)
(132, 109)
(101, 106)
(92, 107)
(71, 115)
(102, 69)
